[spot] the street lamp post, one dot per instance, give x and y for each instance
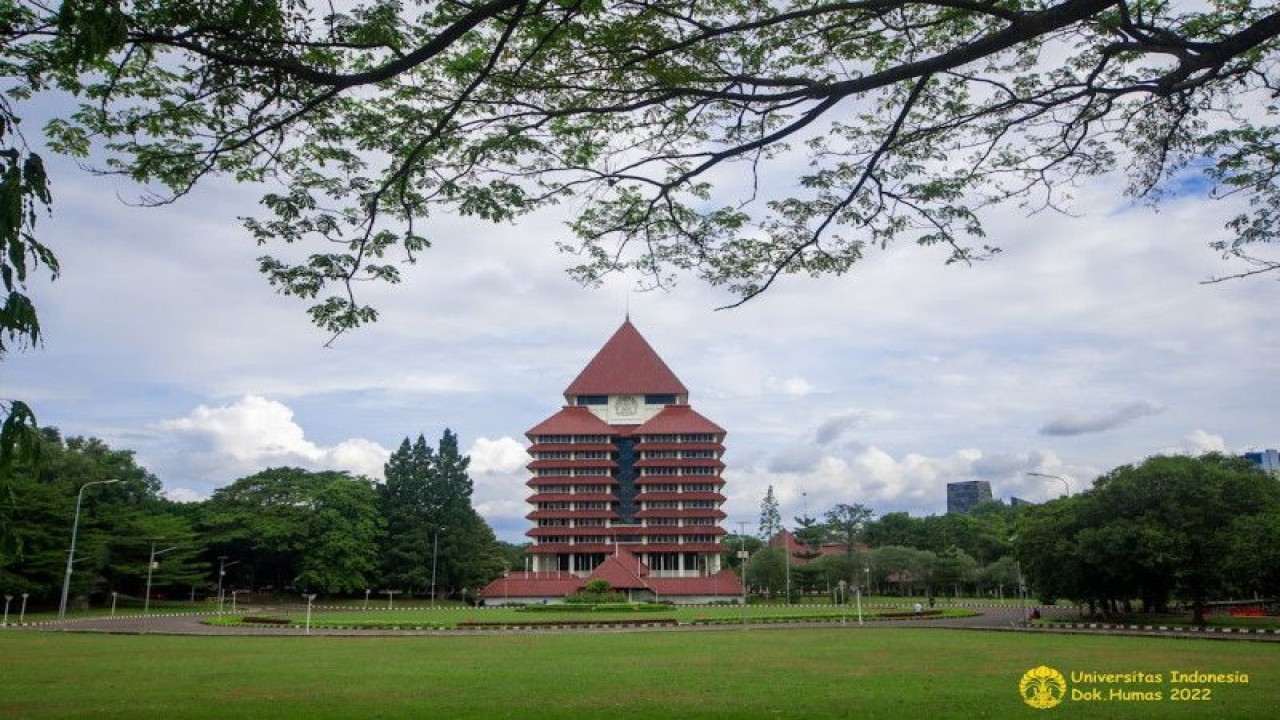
(743, 556)
(233, 600)
(1022, 593)
(71, 553)
(222, 573)
(309, 597)
(114, 596)
(366, 598)
(22, 615)
(7, 600)
(391, 594)
(843, 590)
(857, 592)
(435, 552)
(786, 549)
(151, 565)
(1066, 485)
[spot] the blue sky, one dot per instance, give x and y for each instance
(1090, 342)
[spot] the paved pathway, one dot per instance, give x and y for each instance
(991, 618)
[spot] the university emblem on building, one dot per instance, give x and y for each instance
(1042, 687)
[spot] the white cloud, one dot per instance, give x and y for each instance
(253, 433)
(789, 386)
(503, 455)
(184, 495)
(1199, 442)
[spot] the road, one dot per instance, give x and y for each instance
(990, 618)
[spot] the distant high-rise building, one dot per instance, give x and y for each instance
(962, 496)
(1018, 502)
(1268, 460)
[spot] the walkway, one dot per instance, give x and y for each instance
(995, 617)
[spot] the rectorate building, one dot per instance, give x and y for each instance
(625, 486)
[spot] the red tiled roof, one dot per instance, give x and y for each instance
(622, 571)
(571, 420)
(518, 584)
(567, 514)
(725, 582)
(572, 497)
(684, 547)
(627, 364)
(800, 552)
(551, 464)
(674, 419)
(574, 447)
(568, 480)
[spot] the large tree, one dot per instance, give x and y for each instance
(434, 536)
(290, 528)
(845, 523)
(118, 521)
(1171, 527)
(770, 516)
(671, 122)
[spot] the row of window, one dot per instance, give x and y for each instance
(651, 505)
(692, 437)
(678, 505)
(605, 539)
(600, 522)
(566, 455)
(663, 522)
(573, 489)
(672, 454)
(571, 439)
(598, 439)
(678, 471)
(696, 487)
(573, 472)
(591, 505)
(604, 399)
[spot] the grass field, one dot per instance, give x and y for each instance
(782, 673)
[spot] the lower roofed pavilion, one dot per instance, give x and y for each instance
(626, 487)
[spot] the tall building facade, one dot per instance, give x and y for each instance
(1266, 460)
(626, 469)
(962, 496)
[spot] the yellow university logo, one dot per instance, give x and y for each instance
(1042, 687)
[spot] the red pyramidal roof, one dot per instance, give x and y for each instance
(678, 419)
(571, 420)
(626, 365)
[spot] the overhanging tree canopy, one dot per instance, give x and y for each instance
(735, 139)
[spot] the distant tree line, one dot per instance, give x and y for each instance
(1171, 530)
(892, 554)
(282, 529)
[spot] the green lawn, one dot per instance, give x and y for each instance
(731, 673)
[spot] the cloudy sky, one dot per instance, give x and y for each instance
(1091, 342)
